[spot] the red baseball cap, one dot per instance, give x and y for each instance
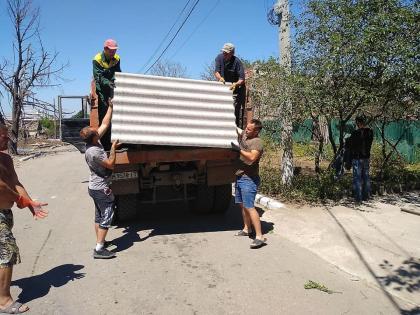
(111, 44)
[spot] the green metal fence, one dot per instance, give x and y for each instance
(408, 131)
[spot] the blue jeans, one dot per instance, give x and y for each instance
(361, 180)
(246, 190)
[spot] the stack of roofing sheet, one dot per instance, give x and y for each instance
(172, 111)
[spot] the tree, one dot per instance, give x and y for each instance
(167, 68)
(391, 71)
(361, 54)
(79, 114)
(31, 66)
(208, 72)
(273, 85)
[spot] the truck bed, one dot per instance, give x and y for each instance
(154, 153)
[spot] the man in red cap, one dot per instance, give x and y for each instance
(105, 64)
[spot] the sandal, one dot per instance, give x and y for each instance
(14, 308)
(257, 243)
(242, 233)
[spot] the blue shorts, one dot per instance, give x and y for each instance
(246, 190)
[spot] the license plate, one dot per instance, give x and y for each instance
(124, 176)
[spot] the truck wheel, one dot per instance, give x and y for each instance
(126, 207)
(222, 198)
(204, 201)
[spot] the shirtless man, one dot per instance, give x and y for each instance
(11, 191)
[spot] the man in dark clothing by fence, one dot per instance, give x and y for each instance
(360, 143)
(228, 68)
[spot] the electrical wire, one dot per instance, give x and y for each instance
(173, 38)
(198, 26)
(166, 36)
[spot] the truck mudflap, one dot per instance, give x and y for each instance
(70, 132)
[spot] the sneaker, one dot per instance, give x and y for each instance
(257, 243)
(103, 254)
(108, 244)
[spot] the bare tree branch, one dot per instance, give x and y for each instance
(32, 66)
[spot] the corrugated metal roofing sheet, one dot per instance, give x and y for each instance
(172, 111)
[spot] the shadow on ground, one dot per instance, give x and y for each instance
(176, 219)
(410, 199)
(404, 277)
(35, 287)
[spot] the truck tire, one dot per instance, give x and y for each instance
(126, 207)
(222, 198)
(204, 201)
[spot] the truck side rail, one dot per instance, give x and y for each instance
(176, 155)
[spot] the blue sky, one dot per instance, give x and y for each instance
(77, 29)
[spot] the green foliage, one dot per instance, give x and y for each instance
(269, 143)
(309, 188)
(79, 114)
(304, 150)
(48, 125)
(315, 188)
(377, 160)
(269, 85)
(357, 56)
(308, 151)
(315, 285)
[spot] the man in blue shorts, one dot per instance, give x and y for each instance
(248, 180)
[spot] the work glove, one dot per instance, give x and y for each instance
(112, 84)
(235, 147)
(34, 206)
(233, 86)
(222, 80)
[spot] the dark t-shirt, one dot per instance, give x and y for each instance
(231, 70)
(360, 143)
(249, 145)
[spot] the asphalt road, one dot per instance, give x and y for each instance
(168, 261)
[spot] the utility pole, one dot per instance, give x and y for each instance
(281, 9)
(55, 120)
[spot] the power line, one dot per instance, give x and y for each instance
(166, 36)
(198, 26)
(173, 38)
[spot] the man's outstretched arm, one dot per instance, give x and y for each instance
(7, 195)
(106, 122)
(24, 200)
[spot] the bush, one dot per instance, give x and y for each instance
(306, 188)
(397, 176)
(48, 125)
